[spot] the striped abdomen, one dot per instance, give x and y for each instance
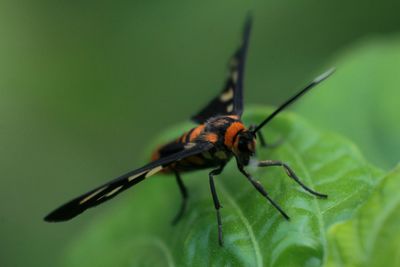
(220, 131)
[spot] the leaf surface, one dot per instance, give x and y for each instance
(372, 237)
(136, 231)
(361, 100)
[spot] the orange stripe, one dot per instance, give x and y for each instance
(212, 137)
(236, 144)
(231, 132)
(183, 138)
(196, 132)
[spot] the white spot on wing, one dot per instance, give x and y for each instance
(115, 190)
(154, 171)
(229, 108)
(190, 145)
(135, 176)
(92, 195)
(235, 76)
(228, 95)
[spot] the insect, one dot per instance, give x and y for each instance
(219, 137)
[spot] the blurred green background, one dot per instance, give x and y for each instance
(85, 86)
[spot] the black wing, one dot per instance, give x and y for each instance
(116, 186)
(230, 100)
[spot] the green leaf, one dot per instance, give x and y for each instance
(372, 237)
(137, 231)
(361, 100)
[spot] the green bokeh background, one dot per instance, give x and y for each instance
(86, 85)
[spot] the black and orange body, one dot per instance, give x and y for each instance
(222, 131)
(219, 137)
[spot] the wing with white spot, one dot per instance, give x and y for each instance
(116, 186)
(230, 100)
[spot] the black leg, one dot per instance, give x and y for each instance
(184, 194)
(291, 174)
(217, 205)
(262, 190)
(262, 139)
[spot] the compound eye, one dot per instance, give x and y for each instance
(243, 144)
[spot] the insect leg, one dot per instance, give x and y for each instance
(262, 191)
(217, 205)
(185, 196)
(262, 139)
(291, 174)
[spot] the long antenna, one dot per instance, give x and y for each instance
(294, 98)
